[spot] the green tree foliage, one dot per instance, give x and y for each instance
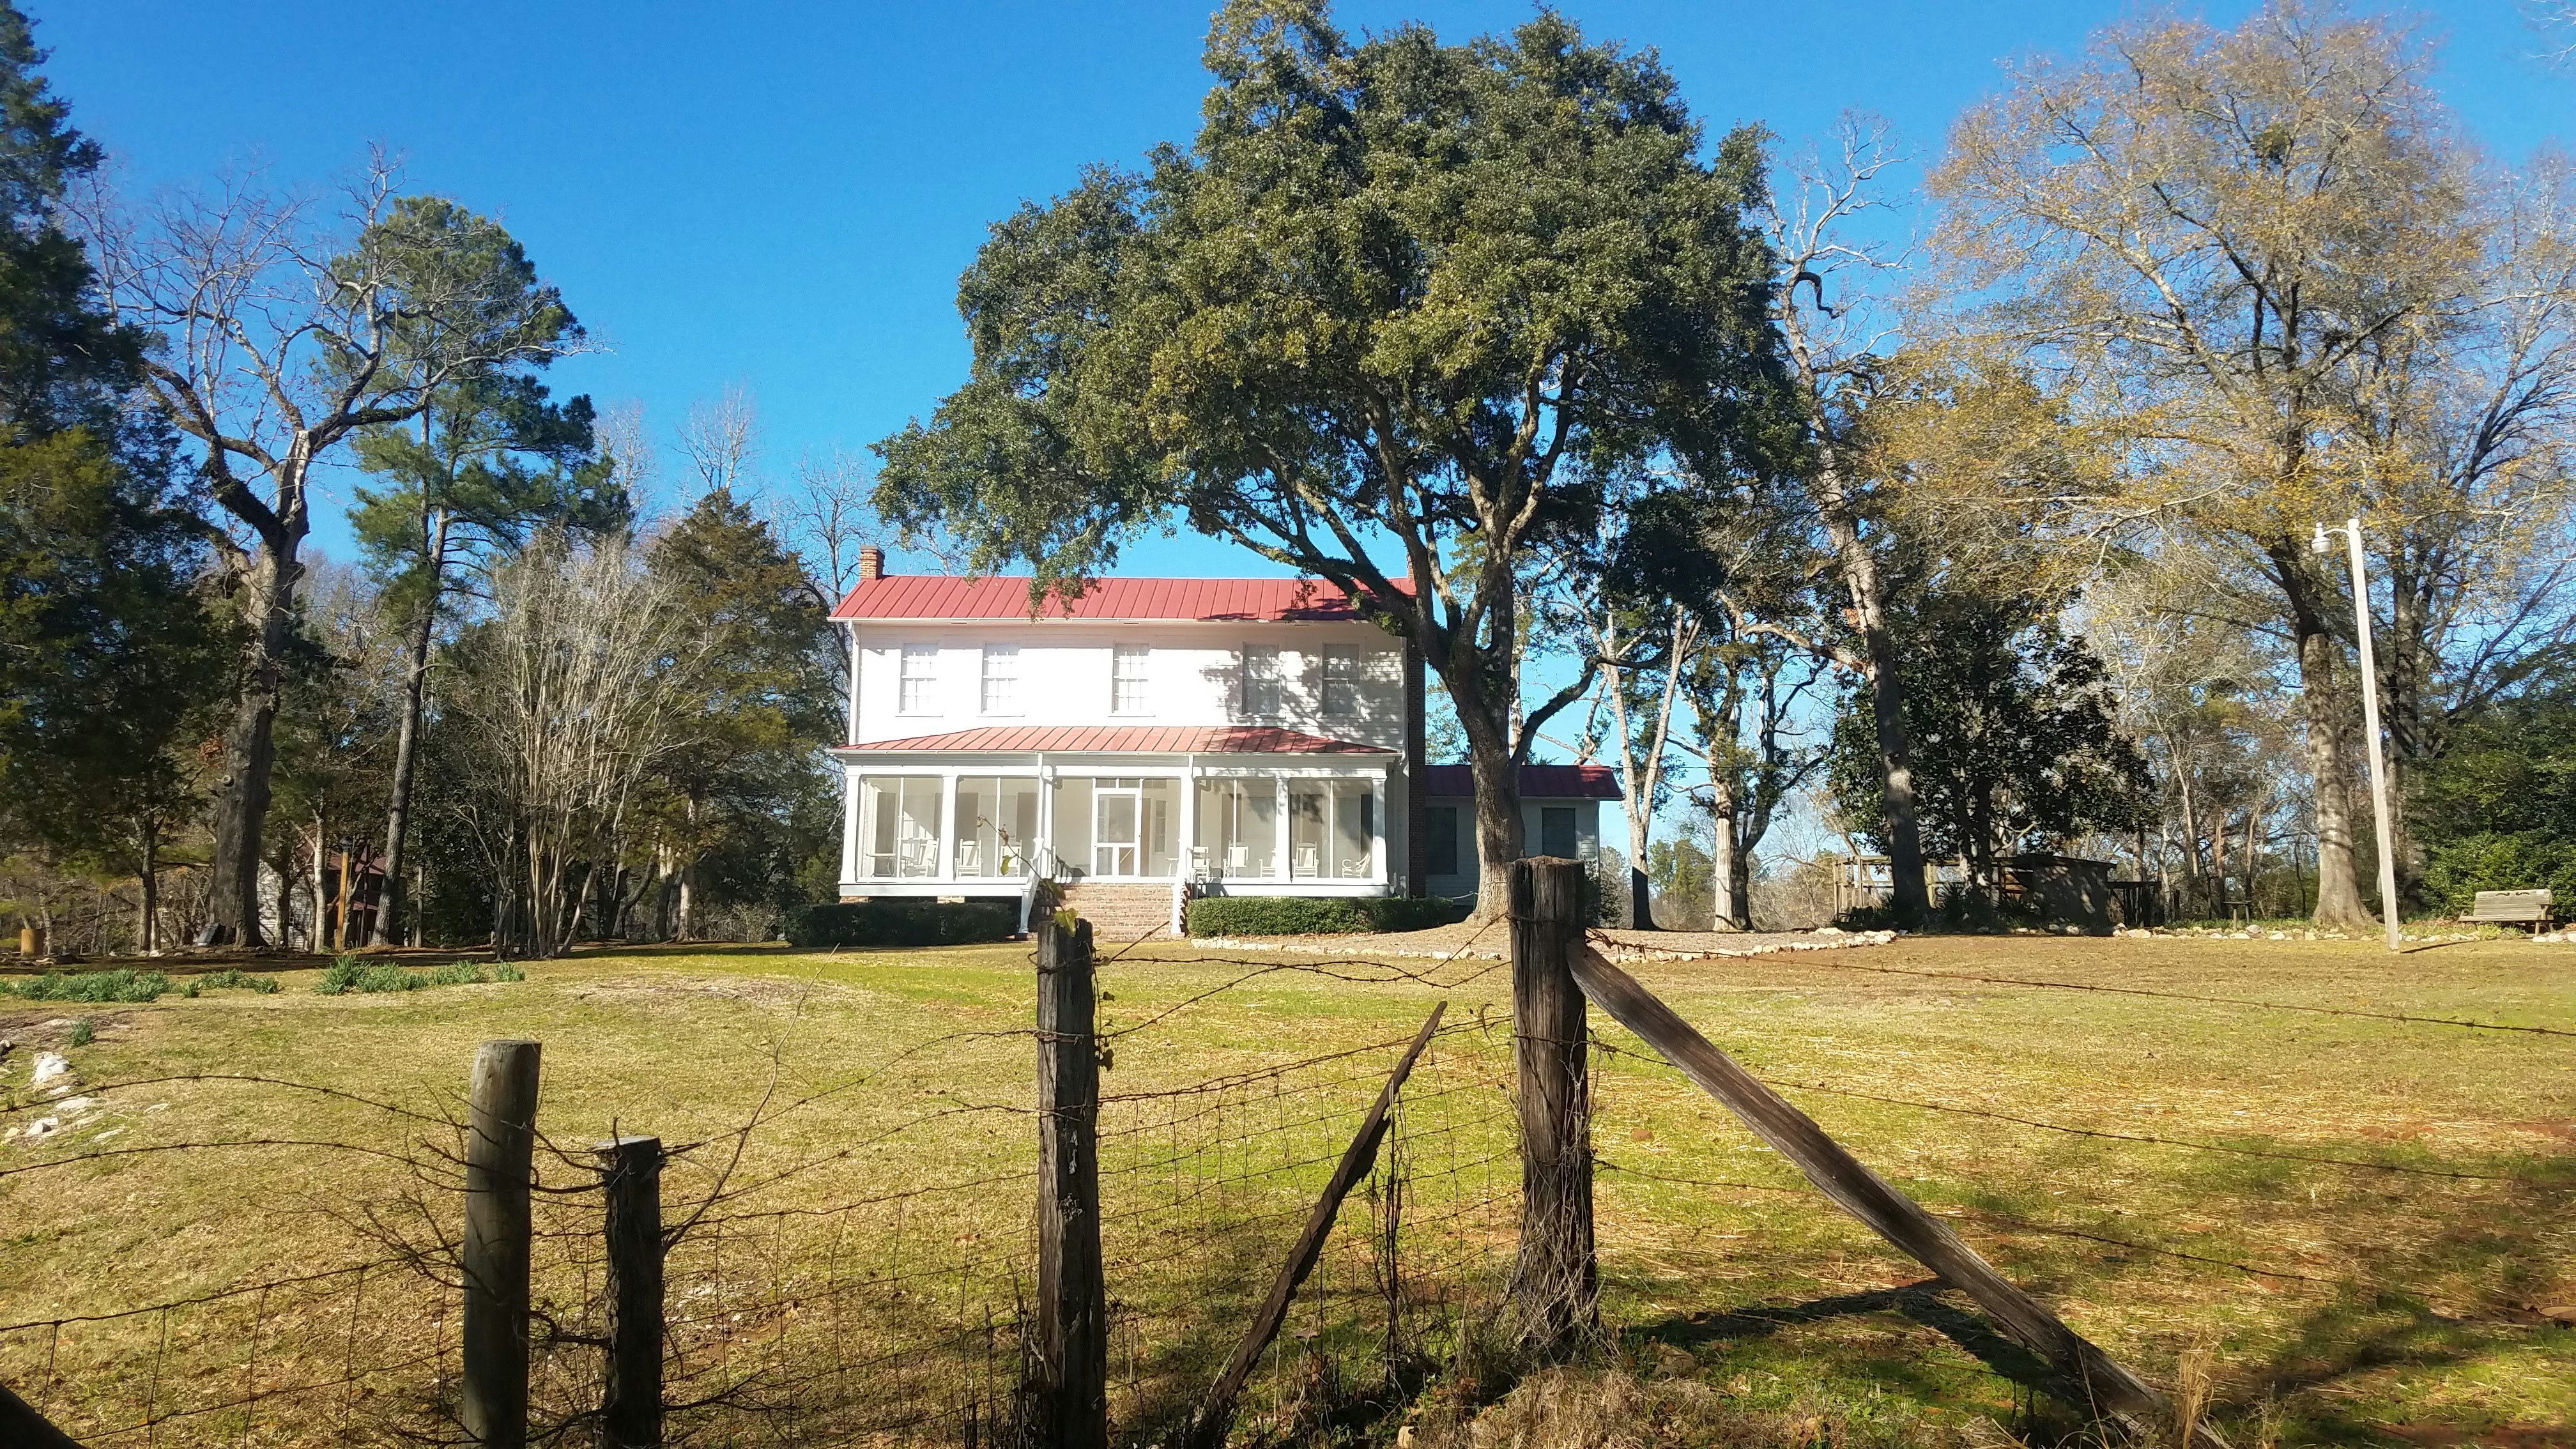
(108, 657)
(1399, 301)
(286, 342)
(2499, 810)
(488, 460)
(2014, 730)
(741, 803)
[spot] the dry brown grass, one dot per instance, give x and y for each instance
(2366, 1302)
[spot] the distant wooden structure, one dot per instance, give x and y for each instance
(2066, 889)
(2523, 908)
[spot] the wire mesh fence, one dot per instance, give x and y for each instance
(882, 1290)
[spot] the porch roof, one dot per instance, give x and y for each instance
(1538, 782)
(1123, 740)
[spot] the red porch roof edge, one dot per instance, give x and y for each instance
(1538, 782)
(944, 596)
(1125, 740)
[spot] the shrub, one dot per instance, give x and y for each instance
(905, 923)
(2529, 860)
(1312, 916)
(509, 971)
(346, 975)
(82, 1032)
(95, 986)
(230, 978)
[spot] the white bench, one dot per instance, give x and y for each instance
(2528, 908)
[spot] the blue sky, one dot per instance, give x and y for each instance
(779, 196)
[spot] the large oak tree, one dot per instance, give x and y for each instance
(1393, 320)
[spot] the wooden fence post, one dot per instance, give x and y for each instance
(2103, 1380)
(1073, 1303)
(21, 1425)
(1555, 1278)
(630, 1407)
(500, 1148)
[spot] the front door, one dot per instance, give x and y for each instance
(1116, 810)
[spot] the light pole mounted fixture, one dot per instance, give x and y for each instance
(2351, 531)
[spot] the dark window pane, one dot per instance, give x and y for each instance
(1440, 840)
(1556, 831)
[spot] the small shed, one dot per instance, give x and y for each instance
(1560, 816)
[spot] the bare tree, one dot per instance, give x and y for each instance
(721, 440)
(1835, 348)
(567, 691)
(282, 331)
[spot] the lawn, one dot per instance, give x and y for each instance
(871, 1227)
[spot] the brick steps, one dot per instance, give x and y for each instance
(1122, 913)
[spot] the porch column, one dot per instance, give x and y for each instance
(1042, 850)
(1189, 843)
(1377, 818)
(1279, 821)
(850, 781)
(947, 869)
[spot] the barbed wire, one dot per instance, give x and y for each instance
(2249, 1002)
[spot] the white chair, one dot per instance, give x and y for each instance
(970, 857)
(1309, 861)
(1238, 860)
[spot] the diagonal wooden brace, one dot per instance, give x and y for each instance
(1870, 1198)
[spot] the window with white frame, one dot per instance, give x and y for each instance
(1341, 682)
(1001, 679)
(1261, 682)
(920, 679)
(1127, 665)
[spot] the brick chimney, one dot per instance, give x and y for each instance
(871, 563)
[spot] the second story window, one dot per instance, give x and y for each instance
(920, 679)
(1341, 683)
(1001, 679)
(1127, 679)
(1261, 691)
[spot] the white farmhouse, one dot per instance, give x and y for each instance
(1157, 738)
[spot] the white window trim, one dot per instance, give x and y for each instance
(1250, 708)
(1011, 709)
(1142, 657)
(1354, 671)
(929, 680)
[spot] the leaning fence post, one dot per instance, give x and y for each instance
(1073, 1303)
(499, 1159)
(20, 1424)
(630, 1407)
(1555, 1278)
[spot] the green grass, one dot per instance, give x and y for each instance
(2339, 1301)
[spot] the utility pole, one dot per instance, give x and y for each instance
(2351, 531)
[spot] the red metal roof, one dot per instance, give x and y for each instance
(1129, 739)
(1538, 782)
(941, 596)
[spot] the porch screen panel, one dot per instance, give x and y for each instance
(1160, 830)
(1072, 841)
(1017, 823)
(1238, 829)
(997, 819)
(1354, 831)
(1308, 835)
(899, 827)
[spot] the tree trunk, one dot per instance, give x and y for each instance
(148, 933)
(250, 749)
(1858, 567)
(392, 903)
(1726, 901)
(2190, 834)
(2339, 903)
(1499, 841)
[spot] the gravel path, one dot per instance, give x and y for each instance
(1494, 941)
